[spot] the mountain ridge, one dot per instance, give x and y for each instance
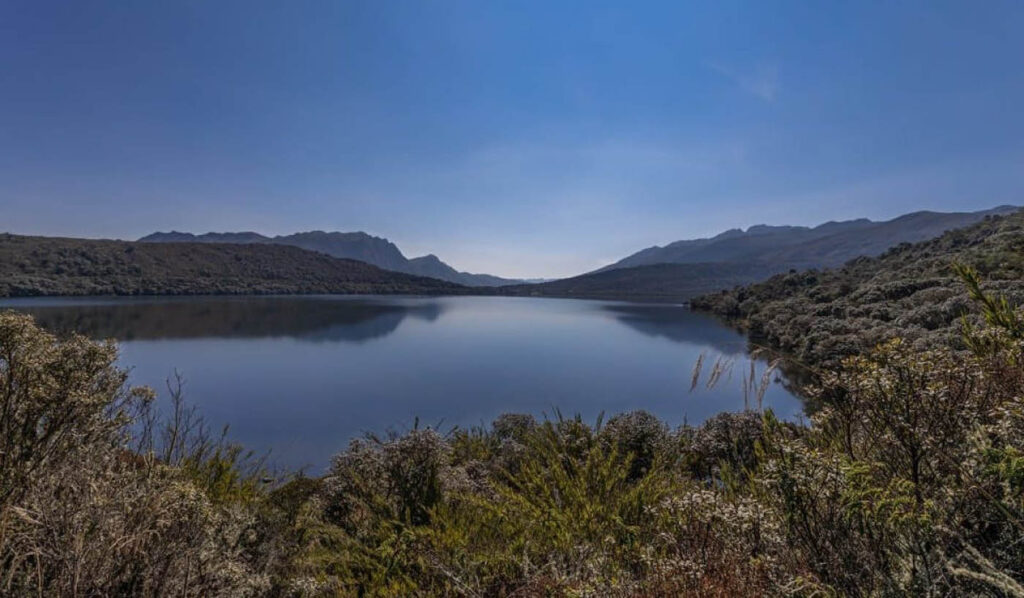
(754, 255)
(40, 266)
(358, 245)
(826, 245)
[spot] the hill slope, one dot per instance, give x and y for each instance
(661, 282)
(828, 245)
(57, 266)
(360, 246)
(909, 291)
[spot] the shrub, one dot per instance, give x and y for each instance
(910, 481)
(82, 514)
(640, 437)
(728, 439)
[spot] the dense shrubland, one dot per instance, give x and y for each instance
(34, 266)
(910, 291)
(909, 481)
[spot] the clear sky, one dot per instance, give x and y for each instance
(517, 138)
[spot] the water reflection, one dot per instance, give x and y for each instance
(323, 319)
(300, 376)
(679, 324)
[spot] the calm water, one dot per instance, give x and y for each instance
(301, 375)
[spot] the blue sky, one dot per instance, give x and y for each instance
(517, 138)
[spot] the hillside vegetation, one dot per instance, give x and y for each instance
(659, 282)
(32, 266)
(356, 246)
(907, 481)
(910, 482)
(911, 291)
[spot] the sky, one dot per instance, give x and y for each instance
(525, 139)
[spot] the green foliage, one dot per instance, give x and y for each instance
(569, 518)
(910, 292)
(995, 308)
(909, 480)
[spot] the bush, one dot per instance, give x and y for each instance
(83, 514)
(638, 436)
(910, 481)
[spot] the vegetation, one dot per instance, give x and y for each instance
(660, 282)
(684, 270)
(911, 292)
(98, 498)
(909, 480)
(32, 266)
(354, 246)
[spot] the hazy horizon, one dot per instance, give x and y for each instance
(410, 255)
(517, 139)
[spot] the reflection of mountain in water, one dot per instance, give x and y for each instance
(314, 319)
(681, 325)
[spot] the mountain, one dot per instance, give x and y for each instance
(356, 246)
(431, 265)
(685, 269)
(656, 282)
(909, 291)
(825, 246)
(31, 266)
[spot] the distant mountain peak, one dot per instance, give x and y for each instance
(767, 229)
(169, 236)
(323, 233)
(732, 232)
(841, 222)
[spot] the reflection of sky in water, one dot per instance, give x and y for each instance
(302, 375)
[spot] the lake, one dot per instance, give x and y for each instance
(300, 376)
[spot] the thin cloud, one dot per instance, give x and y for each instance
(761, 82)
